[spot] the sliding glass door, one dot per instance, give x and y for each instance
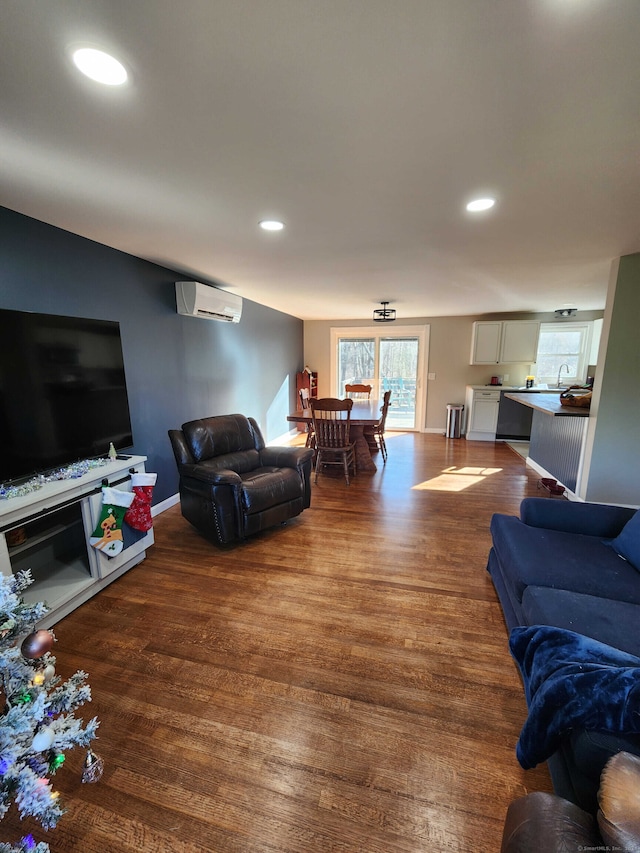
(393, 360)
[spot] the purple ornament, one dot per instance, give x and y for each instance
(37, 644)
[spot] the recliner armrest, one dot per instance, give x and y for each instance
(224, 476)
(546, 822)
(590, 519)
(285, 457)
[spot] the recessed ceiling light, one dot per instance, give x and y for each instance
(272, 225)
(480, 204)
(100, 66)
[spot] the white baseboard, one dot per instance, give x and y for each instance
(165, 504)
(480, 436)
(280, 439)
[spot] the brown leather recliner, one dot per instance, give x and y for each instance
(231, 484)
(545, 823)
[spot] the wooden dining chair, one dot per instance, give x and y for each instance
(377, 431)
(358, 392)
(331, 426)
(304, 405)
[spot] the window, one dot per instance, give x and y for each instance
(356, 362)
(563, 347)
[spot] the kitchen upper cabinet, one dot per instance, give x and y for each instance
(519, 341)
(505, 342)
(485, 346)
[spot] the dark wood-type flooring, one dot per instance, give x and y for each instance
(340, 684)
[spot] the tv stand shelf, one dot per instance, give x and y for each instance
(39, 538)
(57, 521)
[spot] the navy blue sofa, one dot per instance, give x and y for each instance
(555, 565)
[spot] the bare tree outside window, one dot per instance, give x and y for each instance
(356, 361)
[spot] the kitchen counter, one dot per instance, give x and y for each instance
(535, 389)
(549, 403)
(557, 437)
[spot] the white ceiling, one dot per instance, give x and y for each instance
(366, 125)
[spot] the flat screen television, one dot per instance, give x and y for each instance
(63, 393)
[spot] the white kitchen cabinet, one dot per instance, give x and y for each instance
(482, 413)
(485, 346)
(505, 342)
(519, 341)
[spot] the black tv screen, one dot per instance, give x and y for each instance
(63, 394)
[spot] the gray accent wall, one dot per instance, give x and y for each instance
(178, 368)
(612, 464)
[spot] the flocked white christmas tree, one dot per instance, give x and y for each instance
(37, 722)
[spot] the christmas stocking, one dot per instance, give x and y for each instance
(138, 515)
(107, 537)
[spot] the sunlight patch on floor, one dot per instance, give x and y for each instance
(456, 479)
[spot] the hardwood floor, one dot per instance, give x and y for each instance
(338, 684)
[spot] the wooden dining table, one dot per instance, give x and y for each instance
(364, 413)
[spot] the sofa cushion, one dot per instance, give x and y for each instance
(266, 487)
(627, 542)
(239, 462)
(612, 622)
(603, 520)
(534, 556)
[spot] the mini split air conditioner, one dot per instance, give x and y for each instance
(200, 300)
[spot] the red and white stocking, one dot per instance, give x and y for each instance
(138, 515)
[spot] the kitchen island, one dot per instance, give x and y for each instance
(558, 433)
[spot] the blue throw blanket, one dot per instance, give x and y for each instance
(572, 682)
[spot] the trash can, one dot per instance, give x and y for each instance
(454, 420)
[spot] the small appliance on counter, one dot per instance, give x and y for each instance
(496, 380)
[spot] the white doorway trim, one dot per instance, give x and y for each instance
(420, 332)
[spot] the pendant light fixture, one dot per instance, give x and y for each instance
(384, 314)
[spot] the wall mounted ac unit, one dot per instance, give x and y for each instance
(201, 300)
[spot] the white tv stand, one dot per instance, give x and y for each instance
(58, 520)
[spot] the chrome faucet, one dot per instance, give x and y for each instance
(560, 371)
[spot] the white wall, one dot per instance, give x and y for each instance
(611, 472)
